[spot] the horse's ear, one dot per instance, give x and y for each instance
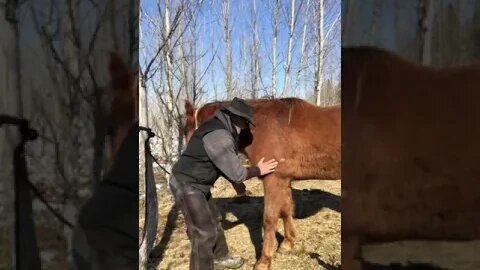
(189, 109)
(189, 117)
(135, 83)
(136, 77)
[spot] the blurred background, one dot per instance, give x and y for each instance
(54, 71)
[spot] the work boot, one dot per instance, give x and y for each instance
(231, 262)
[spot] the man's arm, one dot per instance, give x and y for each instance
(220, 148)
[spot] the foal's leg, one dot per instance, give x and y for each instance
(286, 213)
(275, 194)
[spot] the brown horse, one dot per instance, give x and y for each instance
(410, 151)
(304, 138)
(106, 236)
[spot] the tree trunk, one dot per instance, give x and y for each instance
(426, 19)
(276, 11)
(255, 58)
(302, 66)
(289, 50)
(227, 32)
(320, 54)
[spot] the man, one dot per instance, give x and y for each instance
(212, 152)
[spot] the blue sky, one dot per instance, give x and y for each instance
(210, 32)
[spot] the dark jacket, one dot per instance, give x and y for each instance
(212, 152)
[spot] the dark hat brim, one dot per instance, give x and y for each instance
(239, 113)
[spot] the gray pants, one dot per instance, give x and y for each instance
(204, 226)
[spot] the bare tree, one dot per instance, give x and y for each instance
(426, 19)
(303, 65)
(175, 68)
(254, 54)
(320, 54)
(65, 86)
(276, 11)
(325, 45)
(168, 55)
(76, 93)
(227, 41)
(288, 64)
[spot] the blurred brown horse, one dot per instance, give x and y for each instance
(410, 151)
(304, 138)
(106, 236)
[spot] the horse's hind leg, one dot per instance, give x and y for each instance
(286, 213)
(351, 254)
(275, 194)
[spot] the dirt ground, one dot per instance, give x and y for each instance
(317, 221)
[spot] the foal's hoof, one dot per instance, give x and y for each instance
(285, 247)
(262, 266)
(283, 250)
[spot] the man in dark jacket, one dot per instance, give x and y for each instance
(212, 152)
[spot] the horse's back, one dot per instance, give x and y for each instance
(305, 138)
(409, 135)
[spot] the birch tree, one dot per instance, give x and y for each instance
(254, 54)
(303, 65)
(325, 46)
(320, 54)
(170, 97)
(227, 41)
(276, 11)
(288, 64)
